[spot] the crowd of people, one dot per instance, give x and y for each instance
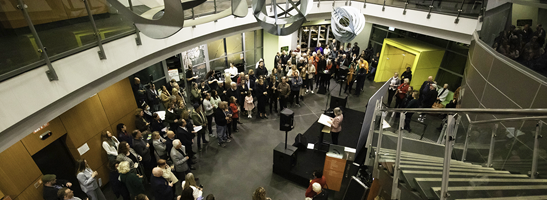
(158, 154)
(524, 45)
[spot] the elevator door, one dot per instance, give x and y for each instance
(56, 159)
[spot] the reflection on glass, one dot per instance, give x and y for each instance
(218, 64)
(249, 40)
(205, 8)
(216, 49)
(259, 39)
(459, 47)
(378, 35)
(234, 44)
(236, 59)
(223, 5)
(112, 23)
(250, 57)
(258, 55)
(151, 73)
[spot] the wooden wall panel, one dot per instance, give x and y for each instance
(32, 193)
(17, 170)
(118, 100)
(104, 174)
(84, 121)
(1, 194)
(96, 156)
(33, 143)
(128, 120)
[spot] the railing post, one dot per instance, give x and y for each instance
(449, 141)
(384, 6)
(138, 38)
(375, 173)
(534, 172)
(459, 13)
(52, 76)
(492, 144)
(465, 145)
(396, 169)
(371, 131)
(441, 135)
(365, 4)
(404, 10)
(430, 8)
(101, 53)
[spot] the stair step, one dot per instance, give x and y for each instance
(409, 175)
(479, 170)
(488, 191)
(425, 184)
(452, 165)
(404, 158)
(513, 198)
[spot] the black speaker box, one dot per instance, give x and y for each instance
(284, 159)
(338, 102)
(287, 118)
(300, 142)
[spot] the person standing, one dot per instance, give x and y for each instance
(196, 94)
(126, 153)
(159, 145)
(360, 76)
(373, 65)
(296, 83)
(425, 87)
(234, 107)
(284, 92)
(320, 193)
(209, 110)
(262, 96)
(221, 120)
(168, 174)
(161, 188)
(401, 93)
(429, 99)
(123, 136)
(336, 125)
(393, 84)
(249, 105)
(199, 119)
(351, 77)
(321, 67)
(261, 70)
(153, 98)
(190, 183)
(407, 74)
(356, 49)
(180, 159)
(110, 145)
(88, 182)
(441, 96)
(139, 91)
(186, 135)
(165, 96)
(118, 187)
(157, 124)
(272, 92)
(171, 116)
(310, 73)
(143, 149)
(52, 186)
(284, 58)
(130, 179)
(413, 102)
(170, 136)
(140, 122)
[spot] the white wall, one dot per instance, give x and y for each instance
(30, 99)
(271, 46)
(363, 38)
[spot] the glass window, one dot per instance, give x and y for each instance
(249, 40)
(236, 59)
(259, 38)
(258, 55)
(454, 62)
(459, 47)
(234, 44)
(250, 57)
(216, 49)
(151, 73)
(218, 64)
(453, 80)
(378, 35)
(111, 23)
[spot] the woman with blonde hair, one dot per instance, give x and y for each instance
(164, 97)
(260, 194)
(131, 180)
(227, 80)
(190, 182)
(87, 180)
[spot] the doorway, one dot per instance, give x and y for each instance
(56, 159)
(399, 60)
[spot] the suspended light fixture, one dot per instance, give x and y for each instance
(346, 23)
(278, 24)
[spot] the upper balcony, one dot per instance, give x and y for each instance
(76, 51)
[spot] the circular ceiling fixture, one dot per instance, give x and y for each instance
(346, 23)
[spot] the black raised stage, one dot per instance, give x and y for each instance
(308, 160)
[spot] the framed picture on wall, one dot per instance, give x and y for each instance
(285, 48)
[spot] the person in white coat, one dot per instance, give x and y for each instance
(110, 145)
(442, 93)
(88, 182)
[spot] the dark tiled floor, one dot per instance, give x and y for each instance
(246, 163)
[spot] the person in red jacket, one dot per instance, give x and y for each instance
(235, 113)
(318, 178)
(401, 93)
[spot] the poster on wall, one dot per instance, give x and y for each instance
(194, 56)
(174, 74)
(200, 71)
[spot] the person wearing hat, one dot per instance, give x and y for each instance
(52, 186)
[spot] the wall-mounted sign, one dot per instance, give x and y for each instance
(174, 74)
(83, 149)
(41, 127)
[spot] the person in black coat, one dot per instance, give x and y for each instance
(142, 147)
(407, 74)
(425, 87)
(233, 91)
(221, 121)
(272, 93)
(321, 66)
(261, 70)
(171, 116)
(157, 124)
(360, 77)
(428, 100)
(118, 187)
(186, 135)
(169, 142)
(52, 185)
(262, 94)
(153, 98)
(413, 102)
(243, 90)
(160, 187)
(123, 136)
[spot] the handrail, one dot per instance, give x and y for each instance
(539, 111)
(506, 119)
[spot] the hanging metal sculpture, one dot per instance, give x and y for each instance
(295, 15)
(165, 20)
(346, 23)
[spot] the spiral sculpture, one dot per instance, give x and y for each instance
(346, 23)
(276, 24)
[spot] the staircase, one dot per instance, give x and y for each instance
(422, 174)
